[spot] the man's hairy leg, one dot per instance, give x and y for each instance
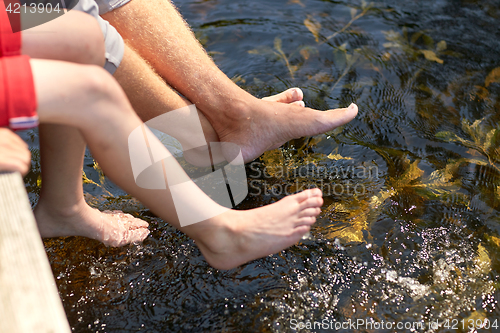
(157, 31)
(151, 96)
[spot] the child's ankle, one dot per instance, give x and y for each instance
(215, 233)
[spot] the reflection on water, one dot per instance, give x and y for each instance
(419, 239)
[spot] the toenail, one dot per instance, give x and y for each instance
(297, 93)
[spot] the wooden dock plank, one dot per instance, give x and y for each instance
(29, 300)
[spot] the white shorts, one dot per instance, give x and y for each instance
(112, 39)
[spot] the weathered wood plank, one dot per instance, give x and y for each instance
(29, 300)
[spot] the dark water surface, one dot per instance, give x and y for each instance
(409, 231)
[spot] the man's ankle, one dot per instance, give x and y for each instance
(225, 110)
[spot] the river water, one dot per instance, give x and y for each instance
(409, 232)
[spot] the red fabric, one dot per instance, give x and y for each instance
(10, 43)
(17, 91)
(4, 117)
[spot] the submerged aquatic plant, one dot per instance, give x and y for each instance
(409, 45)
(483, 138)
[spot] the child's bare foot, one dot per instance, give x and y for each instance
(113, 228)
(236, 237)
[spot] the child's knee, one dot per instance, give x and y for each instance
(99, 85)
(76, 37)
(96, 82)
(91, 39)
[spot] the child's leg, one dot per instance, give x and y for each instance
(101, 112)
(74, 37)
(62, 210)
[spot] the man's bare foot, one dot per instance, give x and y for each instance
(259, 125)
(290, 96)
(198, 156)
(236, 237)
(113, 228)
